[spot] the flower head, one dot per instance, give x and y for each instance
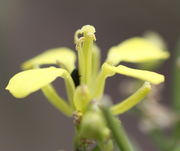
(92, 76)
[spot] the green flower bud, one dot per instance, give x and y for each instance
(93, 126)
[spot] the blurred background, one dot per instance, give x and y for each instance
(28, 27)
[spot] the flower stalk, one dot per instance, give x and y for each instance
(117, 130)
(176, 79)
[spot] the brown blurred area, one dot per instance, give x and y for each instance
(28, 27)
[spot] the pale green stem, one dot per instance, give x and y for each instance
(159, 139)
(96, 148)
(56, 100)
(69, 84)
(176, 79)
(70, 88)
(131, 101)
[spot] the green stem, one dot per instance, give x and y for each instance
(174, 140)
(78, 145)
(176, 79)
(176, 96)
(160, 139)
(96, 148)
(117, 130)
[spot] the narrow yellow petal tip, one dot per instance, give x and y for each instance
(152, 77)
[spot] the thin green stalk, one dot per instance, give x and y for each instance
(117, 130)
(96, 148)
(176, 131)
(70, 88)
(176, 79)
(176, 96)
(56, 100)
(160, 139)
(78, 144)
(175, 139)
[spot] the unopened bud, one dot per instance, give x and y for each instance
(93, 126)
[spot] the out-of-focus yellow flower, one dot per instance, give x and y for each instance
(91, 75)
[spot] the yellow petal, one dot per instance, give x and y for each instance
(136, 50)
(131, 101)
(149, 76)
(156, 39)
(108, 70)
(62, 55)
(29, 81)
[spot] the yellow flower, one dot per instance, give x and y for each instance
(91, 75)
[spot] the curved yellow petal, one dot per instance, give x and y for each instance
(29, 81)
(64, 56)
(145, 75)
(136, 50)
(108, 70)
(131, 101)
